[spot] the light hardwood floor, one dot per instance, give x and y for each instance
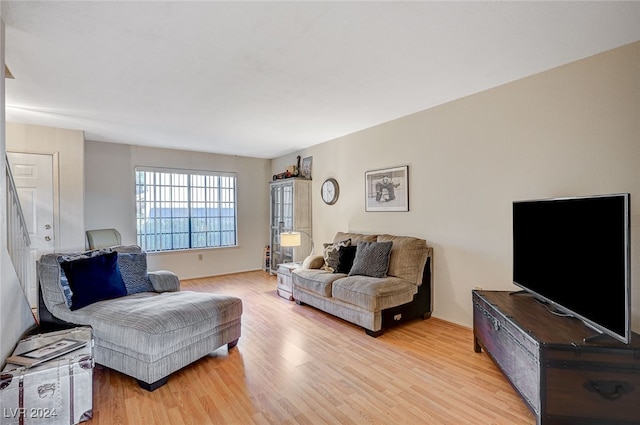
(297, 365)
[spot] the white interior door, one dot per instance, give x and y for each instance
(33, 175)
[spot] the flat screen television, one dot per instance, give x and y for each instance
(574, 253)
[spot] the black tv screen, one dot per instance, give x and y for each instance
(575, 254)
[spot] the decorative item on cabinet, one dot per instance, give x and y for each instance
(291, 171)
(266, 264)
(305, 171)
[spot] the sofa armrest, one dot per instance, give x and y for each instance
(313, 262)
(164, 281)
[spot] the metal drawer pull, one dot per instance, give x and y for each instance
(496, 325)
(609, 390)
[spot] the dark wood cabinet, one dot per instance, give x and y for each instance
(563, 380)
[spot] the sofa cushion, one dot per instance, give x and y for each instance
(331, 251)
(372, 293)
(94, 279)
(133, 267)
(318, 281)
(372, 259)
(355, 237)
(346, 255)
(408, 257)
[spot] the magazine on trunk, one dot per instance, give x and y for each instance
(45, 353)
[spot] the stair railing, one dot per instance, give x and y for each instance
(18, 240)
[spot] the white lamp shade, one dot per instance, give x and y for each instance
(290, 239)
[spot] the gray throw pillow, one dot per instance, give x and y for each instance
(372, 259)
(133, 267)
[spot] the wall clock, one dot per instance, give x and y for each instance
(330, 191)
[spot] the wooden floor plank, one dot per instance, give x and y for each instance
(297, 365)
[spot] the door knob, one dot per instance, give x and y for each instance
(47, 226)
(47, 238)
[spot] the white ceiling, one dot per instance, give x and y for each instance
(264, 79)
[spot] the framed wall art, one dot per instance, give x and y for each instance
(305, 170)
(387, 189)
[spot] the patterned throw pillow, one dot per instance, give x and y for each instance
(372, 259)
(64, 282)
(133, 267)
(331, 252)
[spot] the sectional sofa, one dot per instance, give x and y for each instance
(375, 289)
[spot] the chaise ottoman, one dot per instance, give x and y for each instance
(147, 335)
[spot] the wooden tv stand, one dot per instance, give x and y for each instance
(563, 380)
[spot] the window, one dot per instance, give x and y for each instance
(179, 209)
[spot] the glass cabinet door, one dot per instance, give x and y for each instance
(281, 220)
(276, 205)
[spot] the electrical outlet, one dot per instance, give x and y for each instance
(397, 317)
(478, 288)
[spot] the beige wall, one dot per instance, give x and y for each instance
(67, 146)
(570, 131)
(110, 203)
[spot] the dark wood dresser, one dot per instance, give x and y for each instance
(562, 379)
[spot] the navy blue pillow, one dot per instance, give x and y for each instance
(346, 254)
(64, 282)
(94, 279)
